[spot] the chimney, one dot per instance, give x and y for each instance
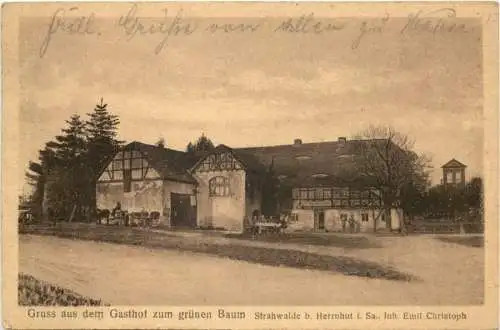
(297, 141)
(342, 140)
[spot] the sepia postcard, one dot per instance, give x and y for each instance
(250, 165)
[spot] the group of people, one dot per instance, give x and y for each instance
(117, 213)
(354, 225)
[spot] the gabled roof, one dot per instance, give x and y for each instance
(454, 164)
(171, 164)
(313, 164)
(247, 160)
(306, 164)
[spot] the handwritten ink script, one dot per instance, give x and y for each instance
(133, 25)
(60, 23)
(176, 24)
(435, 21)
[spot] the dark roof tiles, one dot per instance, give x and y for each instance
(170, 163)
(314, 164)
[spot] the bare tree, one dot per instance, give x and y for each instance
(387, 157)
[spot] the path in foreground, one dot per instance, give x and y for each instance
(127, 275)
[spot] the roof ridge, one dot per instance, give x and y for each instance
(307, 144)
(453, 160)
(155, 146)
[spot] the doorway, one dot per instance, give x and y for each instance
(319, 220)
(183, 214)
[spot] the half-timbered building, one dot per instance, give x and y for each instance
(317, 185)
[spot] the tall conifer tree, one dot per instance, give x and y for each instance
(102, 129)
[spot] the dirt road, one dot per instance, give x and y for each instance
(126, 275)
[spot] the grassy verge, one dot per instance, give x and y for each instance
(471, 241)
(32, 292)
(266, 256)
(330, 239)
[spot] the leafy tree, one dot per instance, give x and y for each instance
(474, 194)
(456, 202)
(202, 144)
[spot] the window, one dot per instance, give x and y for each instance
(219, 186)
(340, 192)
(117, 165)
(344, 192)
(313, 194)
(318, 194)
(118, 175)
(136, 174)
(449, 177)
(458, 177)
(133, 162)
(355, 194)
(327, 194)
(322, 193)
(364, 217)
(355, 202)
(336, 193)
(303, 194)
(310, 194)
(126, 164)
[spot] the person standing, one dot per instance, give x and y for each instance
(352, 224)
(116, 209)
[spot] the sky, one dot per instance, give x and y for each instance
(263, 88)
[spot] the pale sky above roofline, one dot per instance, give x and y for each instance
(262, 89)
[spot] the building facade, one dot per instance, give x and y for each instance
(314, 185)
(454, 173)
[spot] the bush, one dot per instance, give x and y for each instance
(32, 292)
